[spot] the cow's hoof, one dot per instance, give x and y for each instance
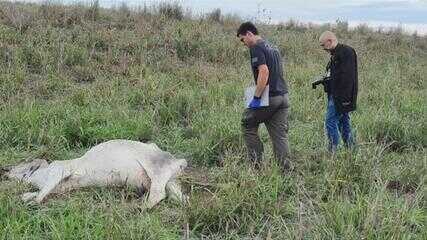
(26, 197)
(185, 200)
(143, 208)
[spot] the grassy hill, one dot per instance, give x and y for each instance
(72, 77)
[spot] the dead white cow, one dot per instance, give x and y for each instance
(112, 163)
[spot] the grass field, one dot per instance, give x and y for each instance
(72, 77)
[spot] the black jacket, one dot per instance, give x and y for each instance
(343, 84)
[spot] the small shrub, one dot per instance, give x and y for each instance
(171, 10)
(93, 12)
(397, 135)
(75, 55)
(363, 29)
(73, 17)
(32, 59)
(136, 99)
(124, 11)
(16, 16)
(342, 26)
(59, 15)
(80, 99)
(74, 133)
(83, 74)
(10, 36)
(5, 56)
(295, 26)
(215, 16)
(52, 13)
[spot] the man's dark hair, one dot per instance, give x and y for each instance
(247, 27)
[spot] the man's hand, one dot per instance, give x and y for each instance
(255, 103)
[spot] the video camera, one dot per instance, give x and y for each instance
(323, 80)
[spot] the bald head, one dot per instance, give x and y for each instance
(328, 40)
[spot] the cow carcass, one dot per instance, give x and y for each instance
(112, 163)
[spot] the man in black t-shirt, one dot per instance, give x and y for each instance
(266, 63)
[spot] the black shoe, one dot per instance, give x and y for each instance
(286, 167)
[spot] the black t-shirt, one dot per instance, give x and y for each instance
(265, 53)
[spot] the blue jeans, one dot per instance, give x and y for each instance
(337, 122)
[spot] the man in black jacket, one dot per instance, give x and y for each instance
(341, 89)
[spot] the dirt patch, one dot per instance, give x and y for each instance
(402, 188)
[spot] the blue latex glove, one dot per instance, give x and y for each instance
(255, 103)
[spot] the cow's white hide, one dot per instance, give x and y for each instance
(112, 163)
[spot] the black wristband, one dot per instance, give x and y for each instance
(257, 98)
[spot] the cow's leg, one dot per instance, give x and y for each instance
(173, 190)
(157, 194)
(29, 196)
(55, 175)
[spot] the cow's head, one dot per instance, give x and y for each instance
(24, 170)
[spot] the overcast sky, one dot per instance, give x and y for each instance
(411, 14)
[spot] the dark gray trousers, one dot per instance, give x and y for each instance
(275, 118)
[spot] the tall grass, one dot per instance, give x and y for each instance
(75, 76)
